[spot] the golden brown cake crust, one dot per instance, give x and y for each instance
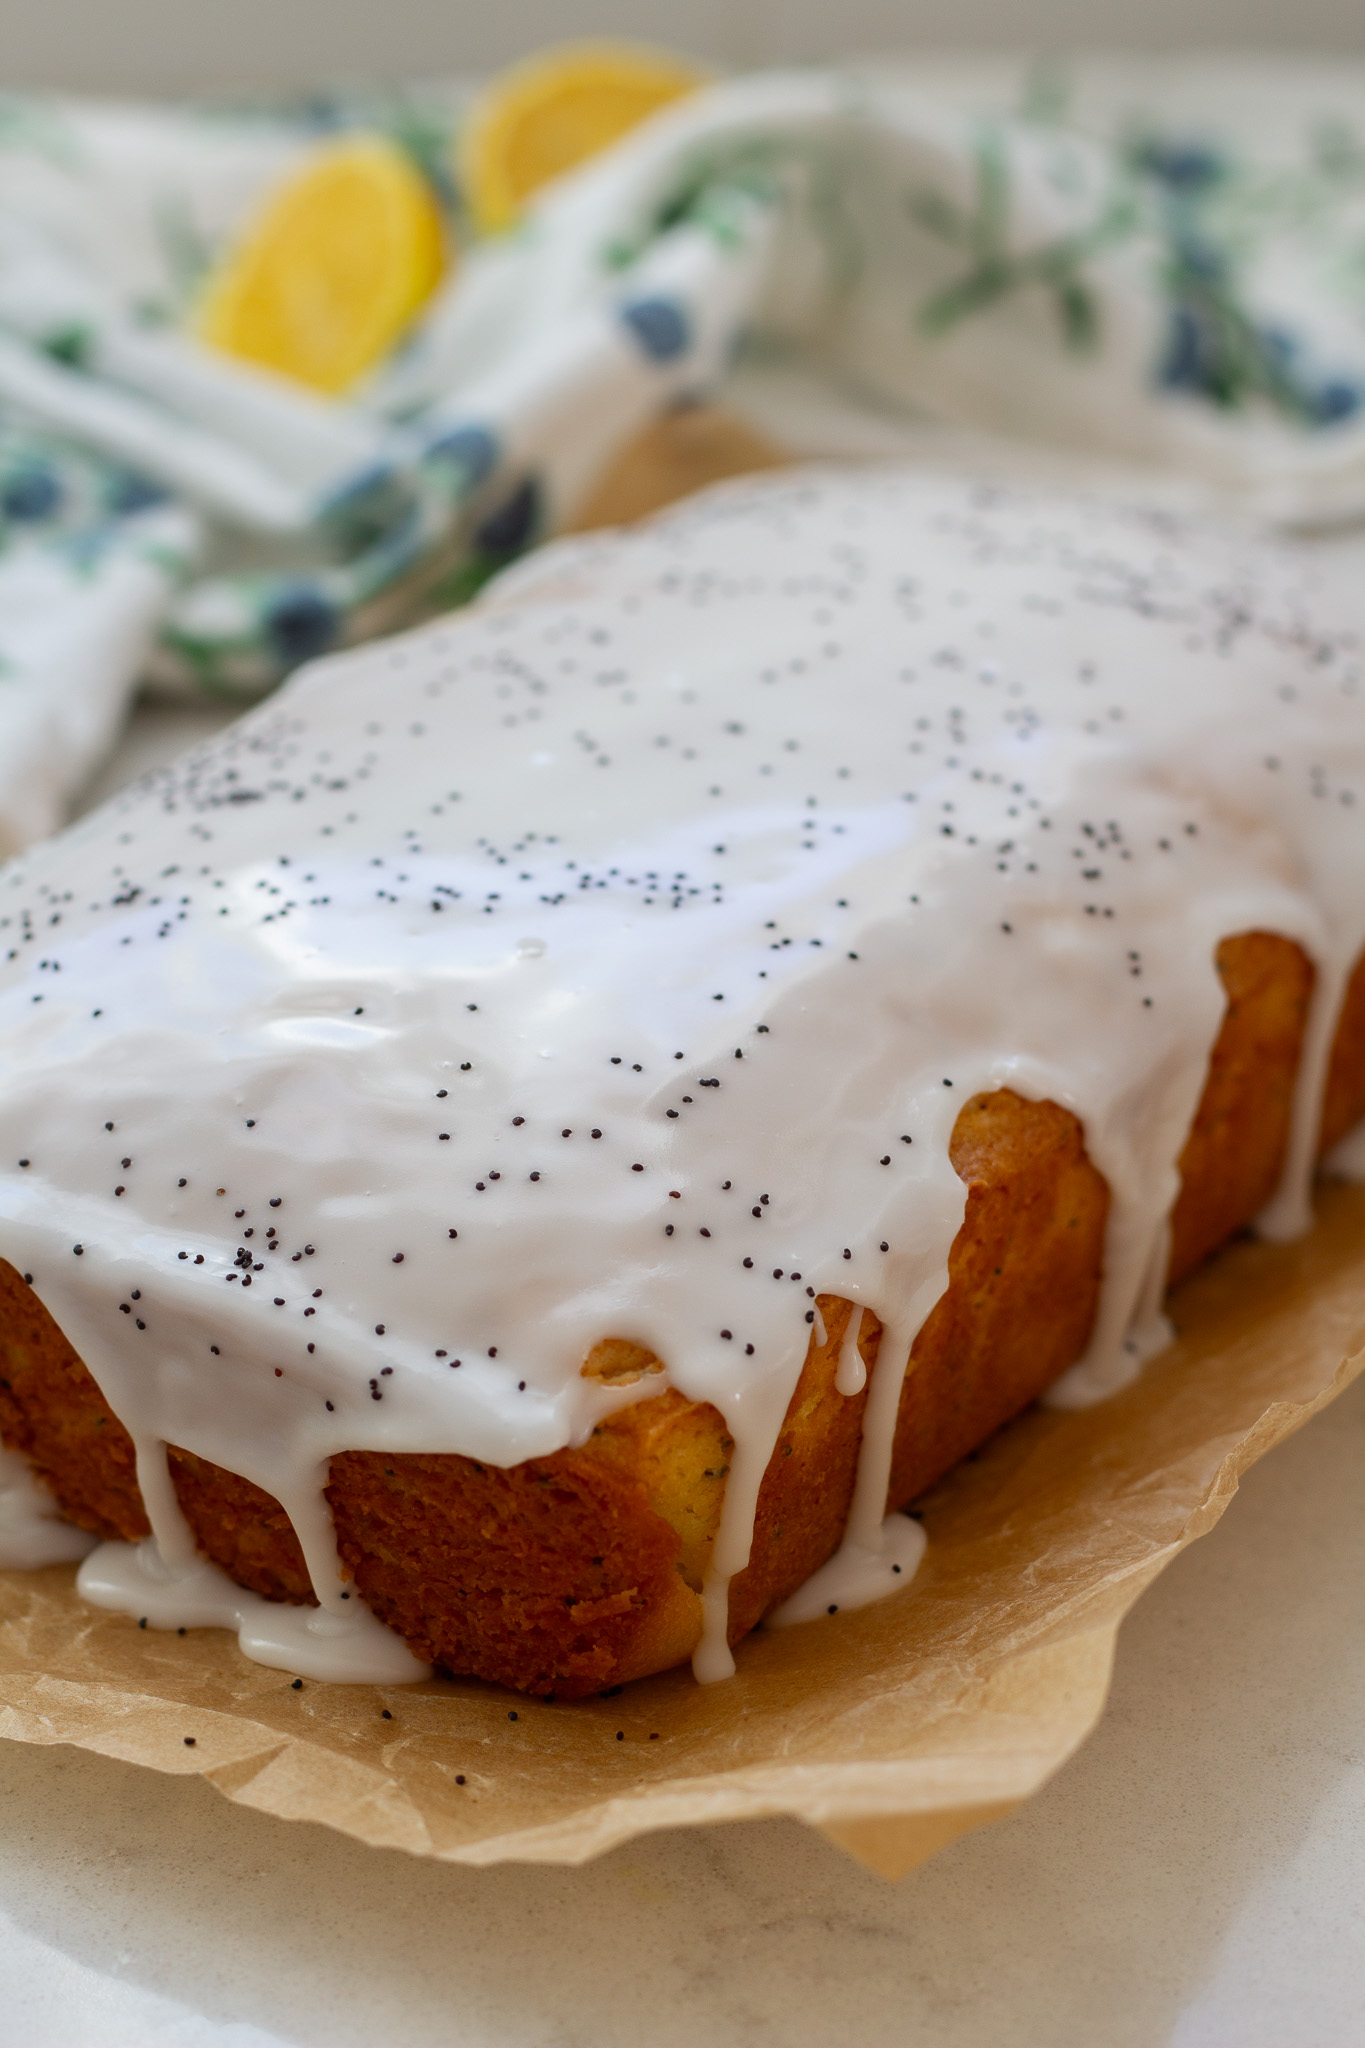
(1023, 1283)
(1233, 1157)
(52, 1411)
(807, 1490)
(241, 1528)
(541, 1575)
(1343, 1102)
(570, 1573)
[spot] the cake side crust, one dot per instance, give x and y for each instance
(570, 1573)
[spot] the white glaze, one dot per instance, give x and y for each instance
(350, 1648)
(855, 1576)
(32, 1532)
(850, 1375)
(762, 786)
(1347, 1160)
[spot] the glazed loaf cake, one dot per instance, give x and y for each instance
(561, 1122)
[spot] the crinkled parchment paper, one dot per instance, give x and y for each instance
(892, 1730)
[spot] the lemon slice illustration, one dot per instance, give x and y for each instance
(554, 111)
(333, 268)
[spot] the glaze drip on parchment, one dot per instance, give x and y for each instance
(615, 957)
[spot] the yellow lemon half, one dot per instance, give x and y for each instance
(554, 111)
(333, 268)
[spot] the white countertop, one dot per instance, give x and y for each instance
(1195, 1877)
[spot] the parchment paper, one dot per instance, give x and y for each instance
(893, 1730)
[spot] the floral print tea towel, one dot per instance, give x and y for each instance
(1138, 264)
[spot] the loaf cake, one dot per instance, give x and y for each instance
(554, 1129)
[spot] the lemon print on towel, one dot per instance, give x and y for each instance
(555, 111)
(333, 268)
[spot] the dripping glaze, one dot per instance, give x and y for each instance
(614, 959)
